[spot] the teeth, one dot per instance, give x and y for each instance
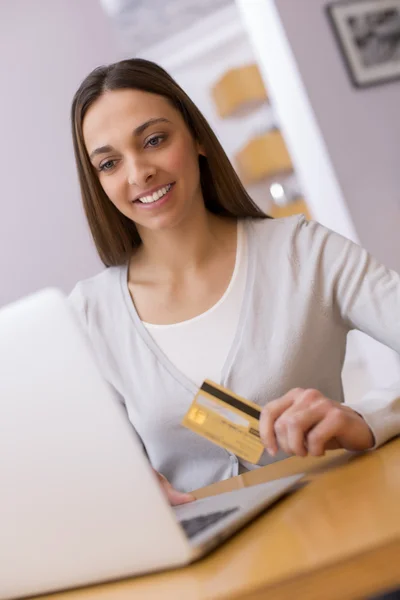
(156, 196)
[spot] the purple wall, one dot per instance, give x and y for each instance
(47, 48)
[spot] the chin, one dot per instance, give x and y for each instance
(163, 222)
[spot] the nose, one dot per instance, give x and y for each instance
(139, 171)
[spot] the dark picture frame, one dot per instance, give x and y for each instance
(368, 34)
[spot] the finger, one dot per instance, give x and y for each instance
(297, 424)
(270, 413)
(290, 436)
(174, 496)
(323, 435)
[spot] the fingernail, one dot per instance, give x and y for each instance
(271, 451)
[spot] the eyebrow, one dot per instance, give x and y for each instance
(136, 132)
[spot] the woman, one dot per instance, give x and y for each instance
(202, 284)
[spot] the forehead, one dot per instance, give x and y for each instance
(122, 111)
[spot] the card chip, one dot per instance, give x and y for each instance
(197, 415)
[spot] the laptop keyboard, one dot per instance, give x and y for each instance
(194, 525)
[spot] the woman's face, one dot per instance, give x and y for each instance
(144, 156)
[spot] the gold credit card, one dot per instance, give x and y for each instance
(226, 419)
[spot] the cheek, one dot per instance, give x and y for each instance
(113, 188)
(182, 159)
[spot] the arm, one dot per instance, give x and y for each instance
(365, 295)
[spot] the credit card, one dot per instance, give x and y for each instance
(226, 419)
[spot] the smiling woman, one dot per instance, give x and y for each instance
(201, 285)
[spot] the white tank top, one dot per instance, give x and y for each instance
(199, 347)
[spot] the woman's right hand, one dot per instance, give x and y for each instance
(174, 497)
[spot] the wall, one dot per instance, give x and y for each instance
(47, 47)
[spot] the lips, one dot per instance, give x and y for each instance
(161, 196)
(154, 194)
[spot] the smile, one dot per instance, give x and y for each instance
(155, 196)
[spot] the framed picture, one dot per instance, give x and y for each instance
(368, 32)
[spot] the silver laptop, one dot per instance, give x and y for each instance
(79, 502)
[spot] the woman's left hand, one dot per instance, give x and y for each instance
(306, 422)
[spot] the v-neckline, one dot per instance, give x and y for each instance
(159, 354)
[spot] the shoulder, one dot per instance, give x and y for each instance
(90, 295)
(283, 228)
(277, 235)
(305, 251)
(296, 232)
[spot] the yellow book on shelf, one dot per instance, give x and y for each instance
(239, 90)
(262, 157)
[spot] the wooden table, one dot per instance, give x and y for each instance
(336, 537)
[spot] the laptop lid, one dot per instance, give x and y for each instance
(79, 502)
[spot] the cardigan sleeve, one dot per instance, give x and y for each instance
(365, 295)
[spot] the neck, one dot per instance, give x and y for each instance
(186, 247)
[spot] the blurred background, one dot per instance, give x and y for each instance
(298, 118)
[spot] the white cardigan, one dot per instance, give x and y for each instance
(307, 287)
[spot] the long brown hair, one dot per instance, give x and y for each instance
(115, 235)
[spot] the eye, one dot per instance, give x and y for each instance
(108, 165)
(155, 141)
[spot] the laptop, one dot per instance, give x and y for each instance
(79, 501)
